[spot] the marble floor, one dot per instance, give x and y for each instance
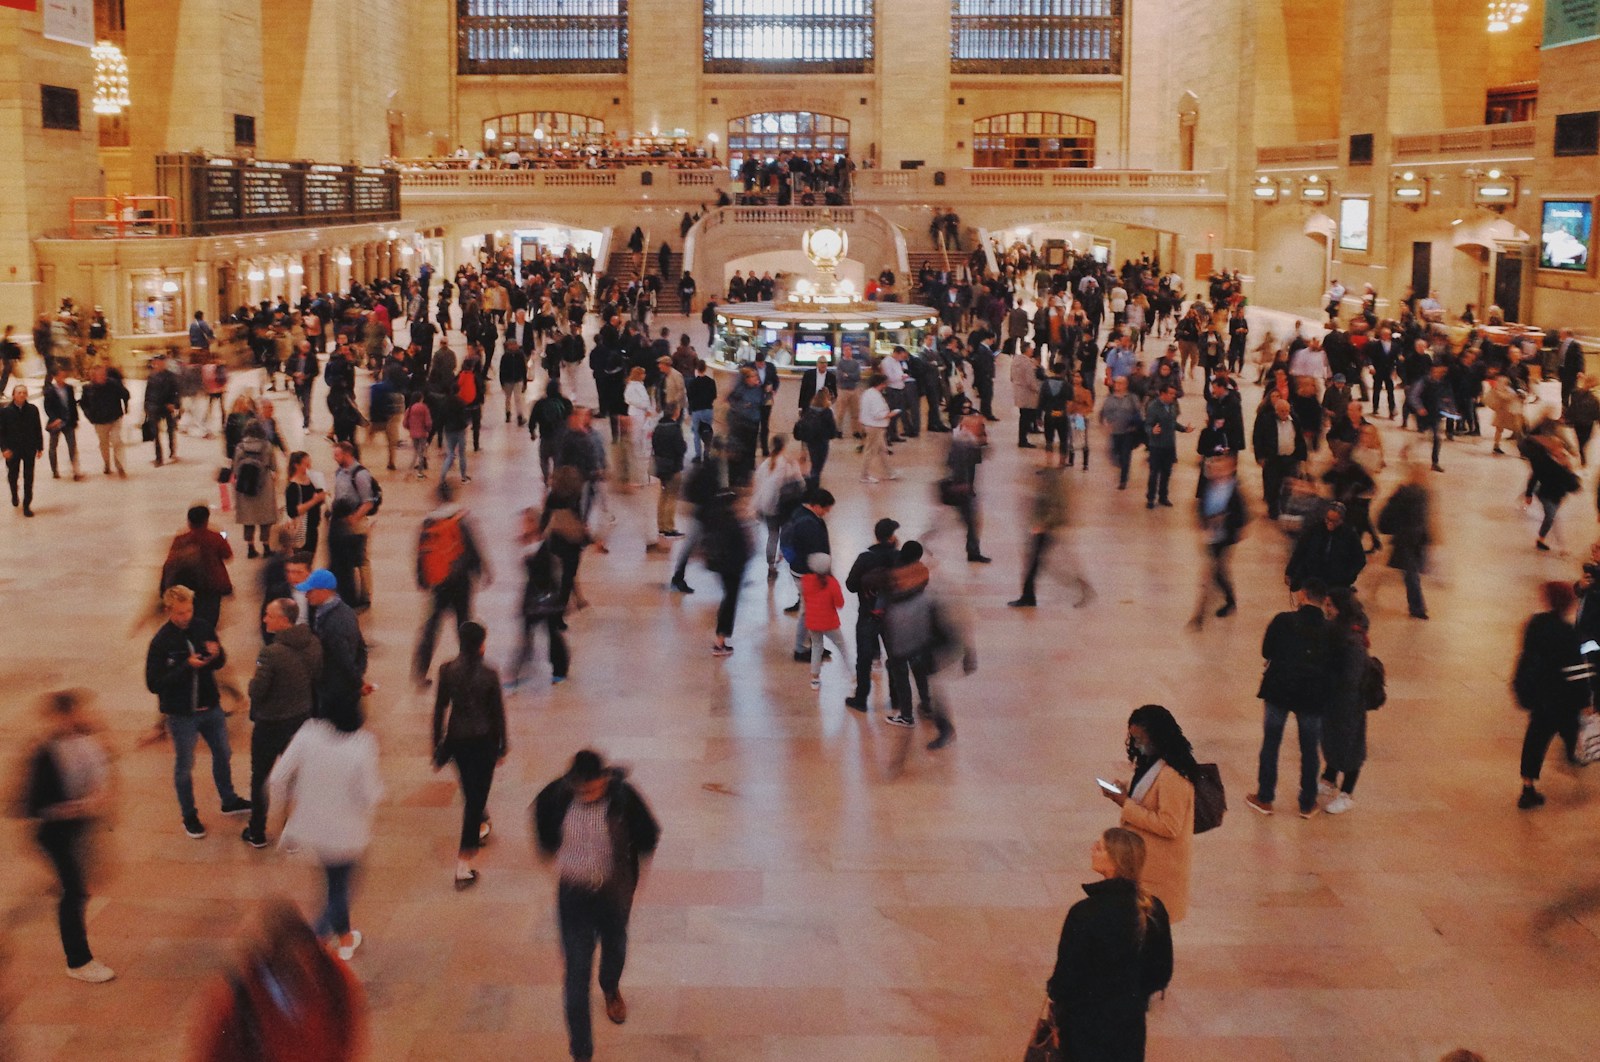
(826, 888)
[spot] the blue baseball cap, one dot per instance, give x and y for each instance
(321, 579)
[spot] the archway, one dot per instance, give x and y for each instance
(1033, 140)
(765, 134)
(542, 132)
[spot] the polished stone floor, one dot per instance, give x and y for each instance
(826, 888)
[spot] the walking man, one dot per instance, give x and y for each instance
(281, 694)
(449, 564)
(598, 829)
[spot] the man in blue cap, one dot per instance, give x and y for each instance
(343, 681)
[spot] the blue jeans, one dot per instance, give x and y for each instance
(211, 725)
(455, 449)
(335, 918)
(587, 916)
(697, 418)
(1310, 732)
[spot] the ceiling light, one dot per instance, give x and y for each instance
(1503, 14)
(110, 78)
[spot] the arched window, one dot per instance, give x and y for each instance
(541, 36)
(532, 132)
(1036, 36)
(1033, 140)
(788, 36)
(763, 136)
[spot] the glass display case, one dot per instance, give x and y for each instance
(795, 338)
(158, 304)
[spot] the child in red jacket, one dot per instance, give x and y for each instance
(824, 597)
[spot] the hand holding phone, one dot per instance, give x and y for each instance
(1109, 787)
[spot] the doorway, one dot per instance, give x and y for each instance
(1508, 285)
(1421, 269)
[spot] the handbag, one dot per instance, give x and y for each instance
(297, 532)
(147, 430)
(1210, 799)
(1045, 1043)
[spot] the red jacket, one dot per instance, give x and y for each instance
(210, 551)
(824, 598)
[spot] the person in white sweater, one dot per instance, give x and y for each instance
(328, 779)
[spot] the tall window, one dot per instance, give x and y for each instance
(1036, 36)
(536, 132)
(788, 36)
(763, 136)
(541, 36)
(1033, 140)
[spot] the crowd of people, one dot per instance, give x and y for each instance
(1078, 337)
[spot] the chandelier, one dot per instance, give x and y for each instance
(110, 78)
(1503, 14)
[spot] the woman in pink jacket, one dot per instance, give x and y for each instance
(1158, 804)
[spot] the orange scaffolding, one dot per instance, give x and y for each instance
(113, 217)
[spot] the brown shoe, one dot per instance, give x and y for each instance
(1257, 804)
(616, 1008)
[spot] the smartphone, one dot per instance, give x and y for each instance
(1110, 787)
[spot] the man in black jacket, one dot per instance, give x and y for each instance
(180, 669)
(21, 443)
(104, 401)
(1329, 552)
(804, 535)
(281, 694)
(161, 406)
(598, 829)
(1280, 446)
(343, 681)
(61, 421)
(808, 383)
(1297, 648)
(882, 555)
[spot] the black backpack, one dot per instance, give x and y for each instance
(377, 488)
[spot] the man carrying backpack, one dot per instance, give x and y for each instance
(803, 535)
(1297, 650)
(471, 383)
(448, 566)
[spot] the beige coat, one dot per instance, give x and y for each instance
(1165, 819)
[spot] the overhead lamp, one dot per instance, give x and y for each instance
(344, 259)
(169, 287)
(296, 269)
(276, 272)
(255, 275)
(489, 132)
(891, 324)
(1503, 14)
(1495, 192)
(1410, 190)
(1315, 190)
(1265, 190)
(110, 78)
(538, 134)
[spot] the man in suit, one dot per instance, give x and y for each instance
(983, 364)
(808, 382)
(1569, 358)
(21, 442)
(61, 420)
(1279, 447)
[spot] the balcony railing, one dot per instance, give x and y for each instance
(1315, 151)
(1479, 140)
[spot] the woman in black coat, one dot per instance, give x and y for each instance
(1115, 953)
(1551, 684)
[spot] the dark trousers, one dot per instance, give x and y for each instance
(1026, 424)
(967, 509)
(1220, 577)
(1542, 726)
(1273, 472)
(454, 595)
(1433, 425)
(1161, 462)
(1037, 548)
(475, 419)
(267, 742)
(729, 605)
(869, 634)
(560, 660)
(897, 403)
(985, 388)
(935, 420)
(1413, 581)
(346, 554)
(62, 842)
(913, 411)
(1382, 386)
(1309, 728)
(208, 607)
(1122, 453)
(474, 759)
(763, 429)
(20, 464)
(210, 726)
(903, 670)
(335, 917)
(587, 917)
(170, 421)
(70, 435)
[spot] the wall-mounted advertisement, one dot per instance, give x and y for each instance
(1355, 216)
(1566, 231)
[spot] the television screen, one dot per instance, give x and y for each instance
(1564, 234)
(809, 346)
(1354, 215)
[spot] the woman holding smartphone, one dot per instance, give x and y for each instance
(1158, 804)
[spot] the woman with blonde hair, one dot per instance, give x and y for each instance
(1115, 953)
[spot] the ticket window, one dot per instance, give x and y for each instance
(158, 304)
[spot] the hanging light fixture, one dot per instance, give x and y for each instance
(1503, 14)
(110, 78)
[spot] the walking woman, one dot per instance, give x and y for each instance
(727, 552)
(1551, 683)
(328, 779)
(542, 603)
(67, 791)
(780, 483)
(1344, 721)
(303, 501)
(469, 729)
(1115, 953)
(1158, 804)
(1550, 476)
(255, 487)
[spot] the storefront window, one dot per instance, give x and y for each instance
(158, 304)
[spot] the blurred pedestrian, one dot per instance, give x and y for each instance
(1551, 683)
(469, 729)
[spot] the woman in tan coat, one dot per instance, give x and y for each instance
(1159, 803)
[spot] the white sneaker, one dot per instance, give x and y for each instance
(1340, 804)
(94, 972)
(1326, 789)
